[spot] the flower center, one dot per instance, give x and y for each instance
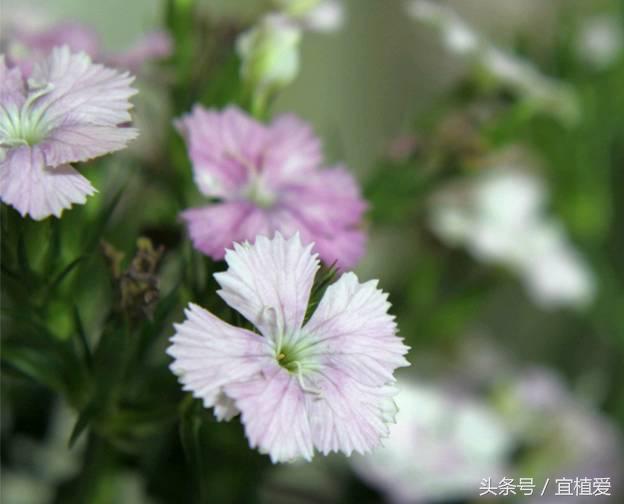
(289, 358)
(257, 192)
(23, 125)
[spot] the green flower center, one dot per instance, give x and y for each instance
(257, 192)
(290, 358)
(296, 358)
(23, 125)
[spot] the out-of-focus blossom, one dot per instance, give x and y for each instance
(564, 436)
(554, 272)
(325, 384)
(499, 217)
(269, 54)
(24, 40)
(543, 92)
(69, 110)
(39, 465)
(268, 178)
(440, 449)
(458, 36)
(600, 40)
(315, 15)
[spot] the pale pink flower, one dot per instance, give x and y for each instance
(268, 178)
(325, 384)
(27, 37)
(69, 110)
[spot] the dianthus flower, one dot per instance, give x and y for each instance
(69, 110)
(326, 383)
(267, 178)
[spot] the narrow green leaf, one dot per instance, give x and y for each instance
(66, 271)
(82, 339)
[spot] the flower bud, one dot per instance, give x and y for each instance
(270, 55)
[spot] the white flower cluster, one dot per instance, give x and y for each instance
(439, 449)
(600, 41)
(499, 216)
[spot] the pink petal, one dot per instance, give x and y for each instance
(292, 150)
(225, 147)
(12, 91)
(274, 411)
(79, 142)
(78, 37)
(349, 416)
(208, 354)
(354, 332)
(342, 248)
(328, 206)
(215, 228)
(331, 198)
(82, 93)
(36, 190)
(269, 283)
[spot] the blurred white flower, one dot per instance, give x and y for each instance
(600, 41)
(499, 217)
(314, 15)
(546, 93)
(39, 465)
(22, 488)
(566, 436)
(554, 273)
(458, 36)
(270, 54)
(440, 448)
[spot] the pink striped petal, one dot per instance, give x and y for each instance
(292, 150)
(223, 146)
(12, 90)
(72, 142)
(82, 93)
(274, 411)
(209, 353)
(353, 331)
(34, 189)
(269, 283)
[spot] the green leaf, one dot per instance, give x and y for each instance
(81, 337)
(66, 271)
(85, 417)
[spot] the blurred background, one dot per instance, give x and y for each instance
(488, 136)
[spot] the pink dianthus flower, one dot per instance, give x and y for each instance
(268, 178)
(69, 110)
(325, 384)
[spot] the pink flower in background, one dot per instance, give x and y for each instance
(326, 384)
(27, 37)
(69, 110)
(268, 178)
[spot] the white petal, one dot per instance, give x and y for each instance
(352, 330)
(349, 416)
(274, 412)
(209, 353)
(269, 283)
(81, 92)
